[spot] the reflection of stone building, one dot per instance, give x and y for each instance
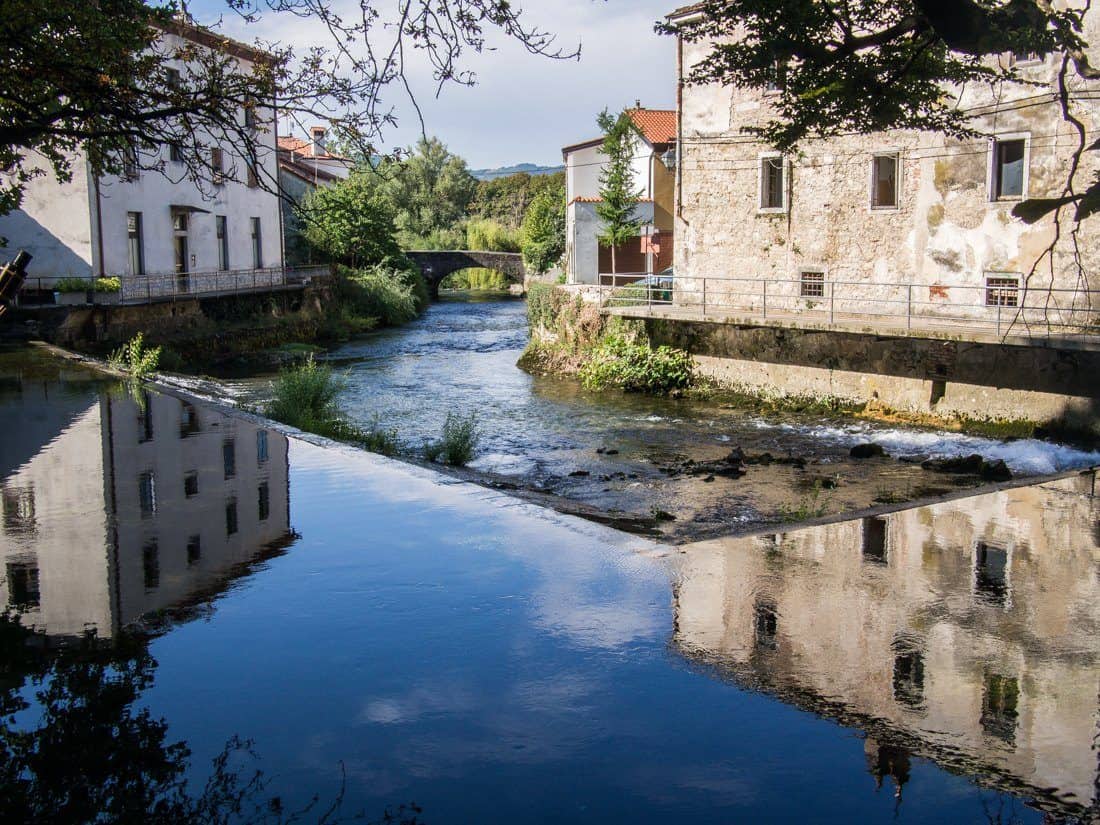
(964, 631)
(131, 506)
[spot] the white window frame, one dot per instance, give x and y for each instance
(898, 180)
(991, 167)
(772, 210)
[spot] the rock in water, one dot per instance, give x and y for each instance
(996, 470)
(869, 450)
(962, 465)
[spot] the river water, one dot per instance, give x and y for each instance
(197, 597)
(549, 434)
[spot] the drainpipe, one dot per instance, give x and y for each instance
(98, 223)
(679, 127)
(278, 186)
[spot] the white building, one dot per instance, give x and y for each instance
(152, 223)
(586, 259)
(305, 165)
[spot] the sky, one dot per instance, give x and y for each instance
(524, 107)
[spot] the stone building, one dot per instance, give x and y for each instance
(897, 225)
(589, 262)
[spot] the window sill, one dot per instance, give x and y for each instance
(895, 208)
(772, 210)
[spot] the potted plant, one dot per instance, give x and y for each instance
(108, 290)
(71, 291)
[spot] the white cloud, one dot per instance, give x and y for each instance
(525, 107)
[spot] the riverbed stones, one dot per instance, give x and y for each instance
(972, 464)
(868, 450)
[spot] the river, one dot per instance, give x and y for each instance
(193, 596)
(549, 434)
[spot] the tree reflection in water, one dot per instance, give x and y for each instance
(76, 747)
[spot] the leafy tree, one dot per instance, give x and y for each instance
(618, 195)
(98, 77)
(431, 190)
(351, 221)
(861, 66)
(544, 229)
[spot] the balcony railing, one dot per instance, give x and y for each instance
(999, 307)
(159, 287)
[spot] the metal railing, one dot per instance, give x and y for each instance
(994, 308)
(169, 286)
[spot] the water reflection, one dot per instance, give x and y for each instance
(120, 504)
(965, 632)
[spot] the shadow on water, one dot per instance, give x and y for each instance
(445, 648)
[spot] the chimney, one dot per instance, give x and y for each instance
(318, 146)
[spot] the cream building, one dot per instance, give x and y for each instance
(121, 507)
(965, 632)
(160, 232)
(897, 225)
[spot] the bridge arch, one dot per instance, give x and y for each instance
(435, 265)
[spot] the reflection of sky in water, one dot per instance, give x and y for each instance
(495, 662)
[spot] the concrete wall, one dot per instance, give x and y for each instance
(943, 378)
(582, 247)
(842, 618)
(947, 232)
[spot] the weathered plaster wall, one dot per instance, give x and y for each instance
(945, 236)
(943, 378)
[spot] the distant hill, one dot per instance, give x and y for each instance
(504, 171)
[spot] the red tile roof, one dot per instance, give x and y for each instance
(656, 125)
(303, 147)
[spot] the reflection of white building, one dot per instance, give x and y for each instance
(152, 223)
(132, 506)
(964, 631)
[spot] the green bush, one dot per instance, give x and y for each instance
(378, 292)
(305, 397)
(458, 444)
(543, 231)
(69, 285)
(491, 236)
(616, 362)
(378, 439)
(453, 238)
(134, 358)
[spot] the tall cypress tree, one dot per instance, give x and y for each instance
(618, 195)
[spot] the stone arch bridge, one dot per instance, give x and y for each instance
(436, 265)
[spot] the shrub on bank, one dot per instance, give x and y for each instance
(618, 363)
(135, 358)
(391, 295)
(458, 444)
(305, 397)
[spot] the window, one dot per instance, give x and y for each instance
(991, 573)
(150, 565)
(130, 168)
(884, 181)
(252, 180)
(229, 458)
(812, 285)
(194, 550)
(136, 243)
(180, 225)
(217, 165)
(1009, 168)
(191, 484)
(172, 78)
(765, 625)
(18, 505)
(189, 420)
(773, 196)
(222, 225)
(1002, 291)
(231, 517)
(264, 497)
(1023, 58)
(257, 245)
(1000, 703)
(175, 153)
(251, 120)
(874, 540)
(908, 673)
(261, 446)
(23, 585)
(147, 494)
(145, 418)
(777, 76)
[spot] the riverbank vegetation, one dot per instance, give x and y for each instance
(135, 358)
(458, 443)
